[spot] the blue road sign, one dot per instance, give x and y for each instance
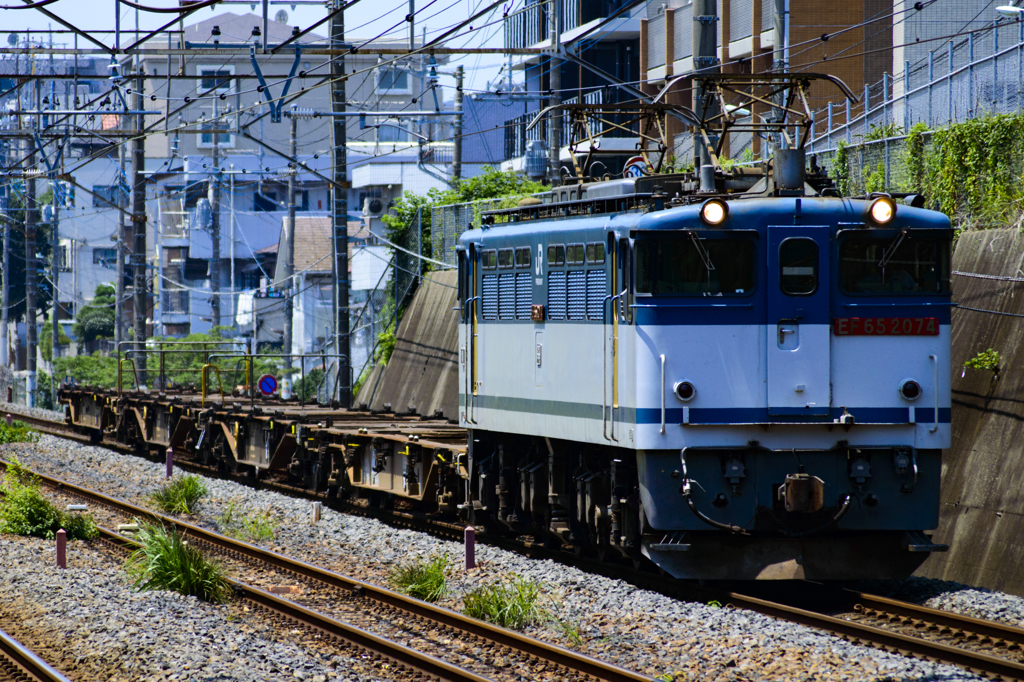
(267, 384)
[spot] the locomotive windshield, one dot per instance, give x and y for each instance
(896, 265)
(686, 265)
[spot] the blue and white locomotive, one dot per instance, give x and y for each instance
(736, 384)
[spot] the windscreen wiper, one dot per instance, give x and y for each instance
(702, 252)
(890, 250)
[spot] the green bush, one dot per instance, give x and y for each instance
(17, 432)
(988, 359)
(179, 495)
(253, 527)
(513, 606)
(25, 511)
(425, 579)
(167, 562)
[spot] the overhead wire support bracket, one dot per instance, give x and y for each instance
(275, 106)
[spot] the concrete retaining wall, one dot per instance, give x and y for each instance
(423, 373)
(982, 513)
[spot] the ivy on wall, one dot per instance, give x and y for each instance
(971, 171)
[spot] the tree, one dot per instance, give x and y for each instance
(96, 320)
(46, 339)
(491, 183)
(15, 219)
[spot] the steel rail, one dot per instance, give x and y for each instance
(875, 605)
(852, 630)
(417, 660)
(887, 639)
(28, 663)
(506, 638)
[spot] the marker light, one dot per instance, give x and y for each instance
(714, 212)
(883, 210)
(910, 390)
(685, 391)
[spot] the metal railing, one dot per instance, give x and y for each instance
(993, 83)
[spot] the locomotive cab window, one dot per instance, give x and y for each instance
(688, 265)
(798, 266)
(505, 258)
(489, 260)
(556, 255)
(898, 264)
(523, 257)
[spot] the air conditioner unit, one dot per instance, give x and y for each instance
(374, 207)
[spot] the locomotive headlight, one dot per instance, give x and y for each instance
(684, 390)
(883, 210)
(714, 212)
(910, 389)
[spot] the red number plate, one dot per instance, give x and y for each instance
(886, 326)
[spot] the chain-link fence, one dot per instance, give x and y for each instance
(449, 222)
(967, 79)
(374, 311)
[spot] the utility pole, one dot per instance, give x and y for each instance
(214, 192)
(139, 230)
(457, 152)
(5, 296)
(30, 272)
(55, 278)
(119, 316)
(288, 242)
(339, 210)
(555, 75)
(780, 49)
(231, 242)
(705, 60)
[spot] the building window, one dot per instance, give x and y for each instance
(390, 132)
(104, 257)
(216, 78)
(325, 297)
(182, 329)
(193, 193)
(108, 196)
(392, 81)
(64, 256)
(223, 139)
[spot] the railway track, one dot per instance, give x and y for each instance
(18, 663)
(574, 665)
(984, 647)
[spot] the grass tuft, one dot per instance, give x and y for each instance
(179, 495)
(514, 605)
(17, 432)
(571, 631)
(425, 579)
(253, 527)
(167, 562)
(25, 511)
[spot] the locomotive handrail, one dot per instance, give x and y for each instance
(935, 361)
(220, 384)
(604, 368)
(663, 394)
(470, 337)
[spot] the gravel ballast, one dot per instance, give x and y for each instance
(89, 623)
(616, 621)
